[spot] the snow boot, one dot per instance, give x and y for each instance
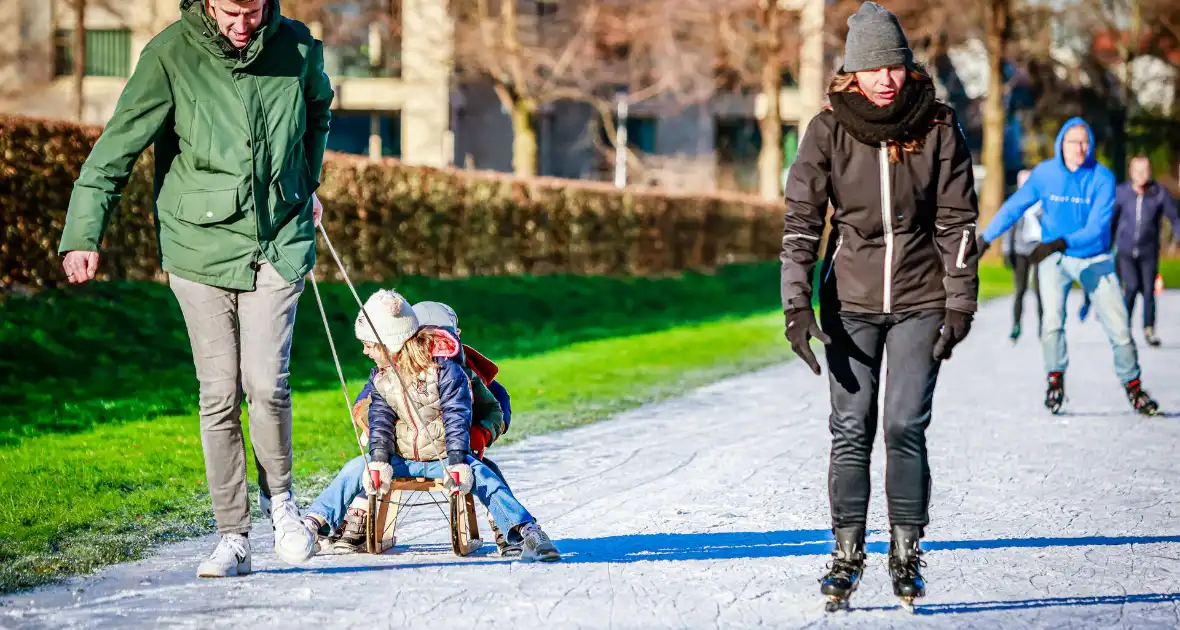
(1149, 335)
(352, 533)
(507, 549)
(1055, 394)
(1140, 400)
(231, 557)
(905, 560)
(536, 545)
(845, 569)
(319, 528)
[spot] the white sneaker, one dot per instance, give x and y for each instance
(536, 545)
(231, 557)
(294, 544)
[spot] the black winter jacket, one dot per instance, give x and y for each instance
(903, 234)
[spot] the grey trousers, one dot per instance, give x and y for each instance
(241, 343)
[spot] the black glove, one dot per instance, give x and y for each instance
(981, 244)
(955, 326)
(801, 327)
(1042, 251)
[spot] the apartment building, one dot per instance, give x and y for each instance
(398, 96)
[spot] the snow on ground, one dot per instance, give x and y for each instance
(711, 511)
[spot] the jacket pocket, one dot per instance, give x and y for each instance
(207, 207)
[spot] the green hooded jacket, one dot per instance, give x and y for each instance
(239, 141)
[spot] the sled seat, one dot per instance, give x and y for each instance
(381, 525)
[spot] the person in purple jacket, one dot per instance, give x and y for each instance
(1139, 204)
(1077, 196)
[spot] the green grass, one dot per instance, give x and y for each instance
(103, 458)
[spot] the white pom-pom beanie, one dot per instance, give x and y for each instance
(391, 315)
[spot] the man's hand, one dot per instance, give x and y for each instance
(1042, 251)
(317, 209)
(801, 327)
(80, 266)
(955, 326)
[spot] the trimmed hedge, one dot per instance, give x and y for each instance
(387, 219)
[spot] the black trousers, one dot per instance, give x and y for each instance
(1138, 277)
(1021, 269)
(859, 342)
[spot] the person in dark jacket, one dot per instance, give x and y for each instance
(1139, 204)
(420, 414)
(900, 279)
(1077, 197)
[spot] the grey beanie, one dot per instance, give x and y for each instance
(875, 40)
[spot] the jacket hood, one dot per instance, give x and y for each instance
(1069, 124)
(202, 30)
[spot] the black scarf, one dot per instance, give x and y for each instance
(908, 116)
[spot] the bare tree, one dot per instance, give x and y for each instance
(997, 23)
(79, 52)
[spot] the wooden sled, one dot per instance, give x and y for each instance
(381, 524)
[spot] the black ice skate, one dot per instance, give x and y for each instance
(1149, 335)
(1055, 395)
(845, 569)
(1142, 402)
(904, 563)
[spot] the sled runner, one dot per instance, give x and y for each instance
(381, 525)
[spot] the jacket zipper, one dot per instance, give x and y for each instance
(887, 222)
(960, 261)
(832, 265)
(1138, 218)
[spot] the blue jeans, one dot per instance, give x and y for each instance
(1097, 278)
(488, 487)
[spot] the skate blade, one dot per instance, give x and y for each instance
(836, 604)
(907, 604)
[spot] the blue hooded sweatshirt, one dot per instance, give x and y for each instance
(1077, 206)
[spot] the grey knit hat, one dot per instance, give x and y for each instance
(875, 40)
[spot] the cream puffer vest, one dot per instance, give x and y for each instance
(420, 433)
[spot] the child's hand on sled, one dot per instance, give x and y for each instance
(459, 478)
(384, 474)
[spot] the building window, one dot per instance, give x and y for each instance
(108, 53)
(351, 131)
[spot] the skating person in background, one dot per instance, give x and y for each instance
(1139, 204)
(900, 278)
(413, 427)
(1019, 242)
(1077, 196)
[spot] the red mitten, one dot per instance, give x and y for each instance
(479, 440)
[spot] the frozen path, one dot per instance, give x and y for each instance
(711, 511)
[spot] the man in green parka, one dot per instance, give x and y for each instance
(235, 100)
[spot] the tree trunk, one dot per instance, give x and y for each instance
(770, 158)
(79, 59)
(997, 14)
(524, 138)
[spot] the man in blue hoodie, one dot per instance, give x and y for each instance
(1139, 204)
(1077, 199)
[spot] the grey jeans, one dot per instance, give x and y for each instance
(241, 343)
